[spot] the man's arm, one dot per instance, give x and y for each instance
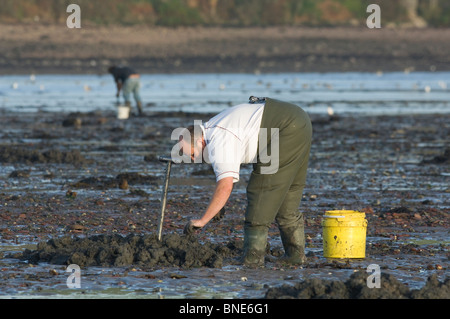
(219, 199)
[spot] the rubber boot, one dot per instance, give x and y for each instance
(293, 239)
(139, 107)
(255, 242)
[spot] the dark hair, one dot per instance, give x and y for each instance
(195, 132)
(111, 68)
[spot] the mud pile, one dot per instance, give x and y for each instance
(140, 250)
(14, 154)
(356, 288)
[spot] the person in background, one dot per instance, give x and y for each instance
(127, 80)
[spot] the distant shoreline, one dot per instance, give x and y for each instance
(55, 49)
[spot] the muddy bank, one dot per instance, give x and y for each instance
(356, 288)
(56, 49)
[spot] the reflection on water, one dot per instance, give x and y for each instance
(368, 93)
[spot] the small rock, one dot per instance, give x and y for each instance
(72, 121)
(19, 174)
(70, 194)
(53, 272)
(77, 228)
(123, 184)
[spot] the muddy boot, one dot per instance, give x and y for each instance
(139, 107)
(293, 239)
(255, 241)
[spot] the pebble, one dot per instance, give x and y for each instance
(53, 272)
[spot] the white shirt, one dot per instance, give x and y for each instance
(232, 139)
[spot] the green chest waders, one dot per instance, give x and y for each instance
(275, 193)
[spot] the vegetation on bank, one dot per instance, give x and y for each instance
(240, 13)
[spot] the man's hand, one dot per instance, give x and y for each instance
(190, 227)
(220, 197)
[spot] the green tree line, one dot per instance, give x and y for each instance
(173, 13)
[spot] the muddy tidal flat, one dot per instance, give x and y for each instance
(85, 188)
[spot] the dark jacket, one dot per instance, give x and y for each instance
(120, 74)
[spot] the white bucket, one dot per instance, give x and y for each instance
(123, 112)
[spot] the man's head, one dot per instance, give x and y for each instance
(192, 142)
(111, 69)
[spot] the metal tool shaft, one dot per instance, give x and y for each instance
(164, 198)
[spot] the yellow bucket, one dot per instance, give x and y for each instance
(344, 234)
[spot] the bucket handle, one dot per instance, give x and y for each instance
(328, 216)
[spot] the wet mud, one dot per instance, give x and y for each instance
(356, 288)
(14, 154)
(121, 181)
(89, 194)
